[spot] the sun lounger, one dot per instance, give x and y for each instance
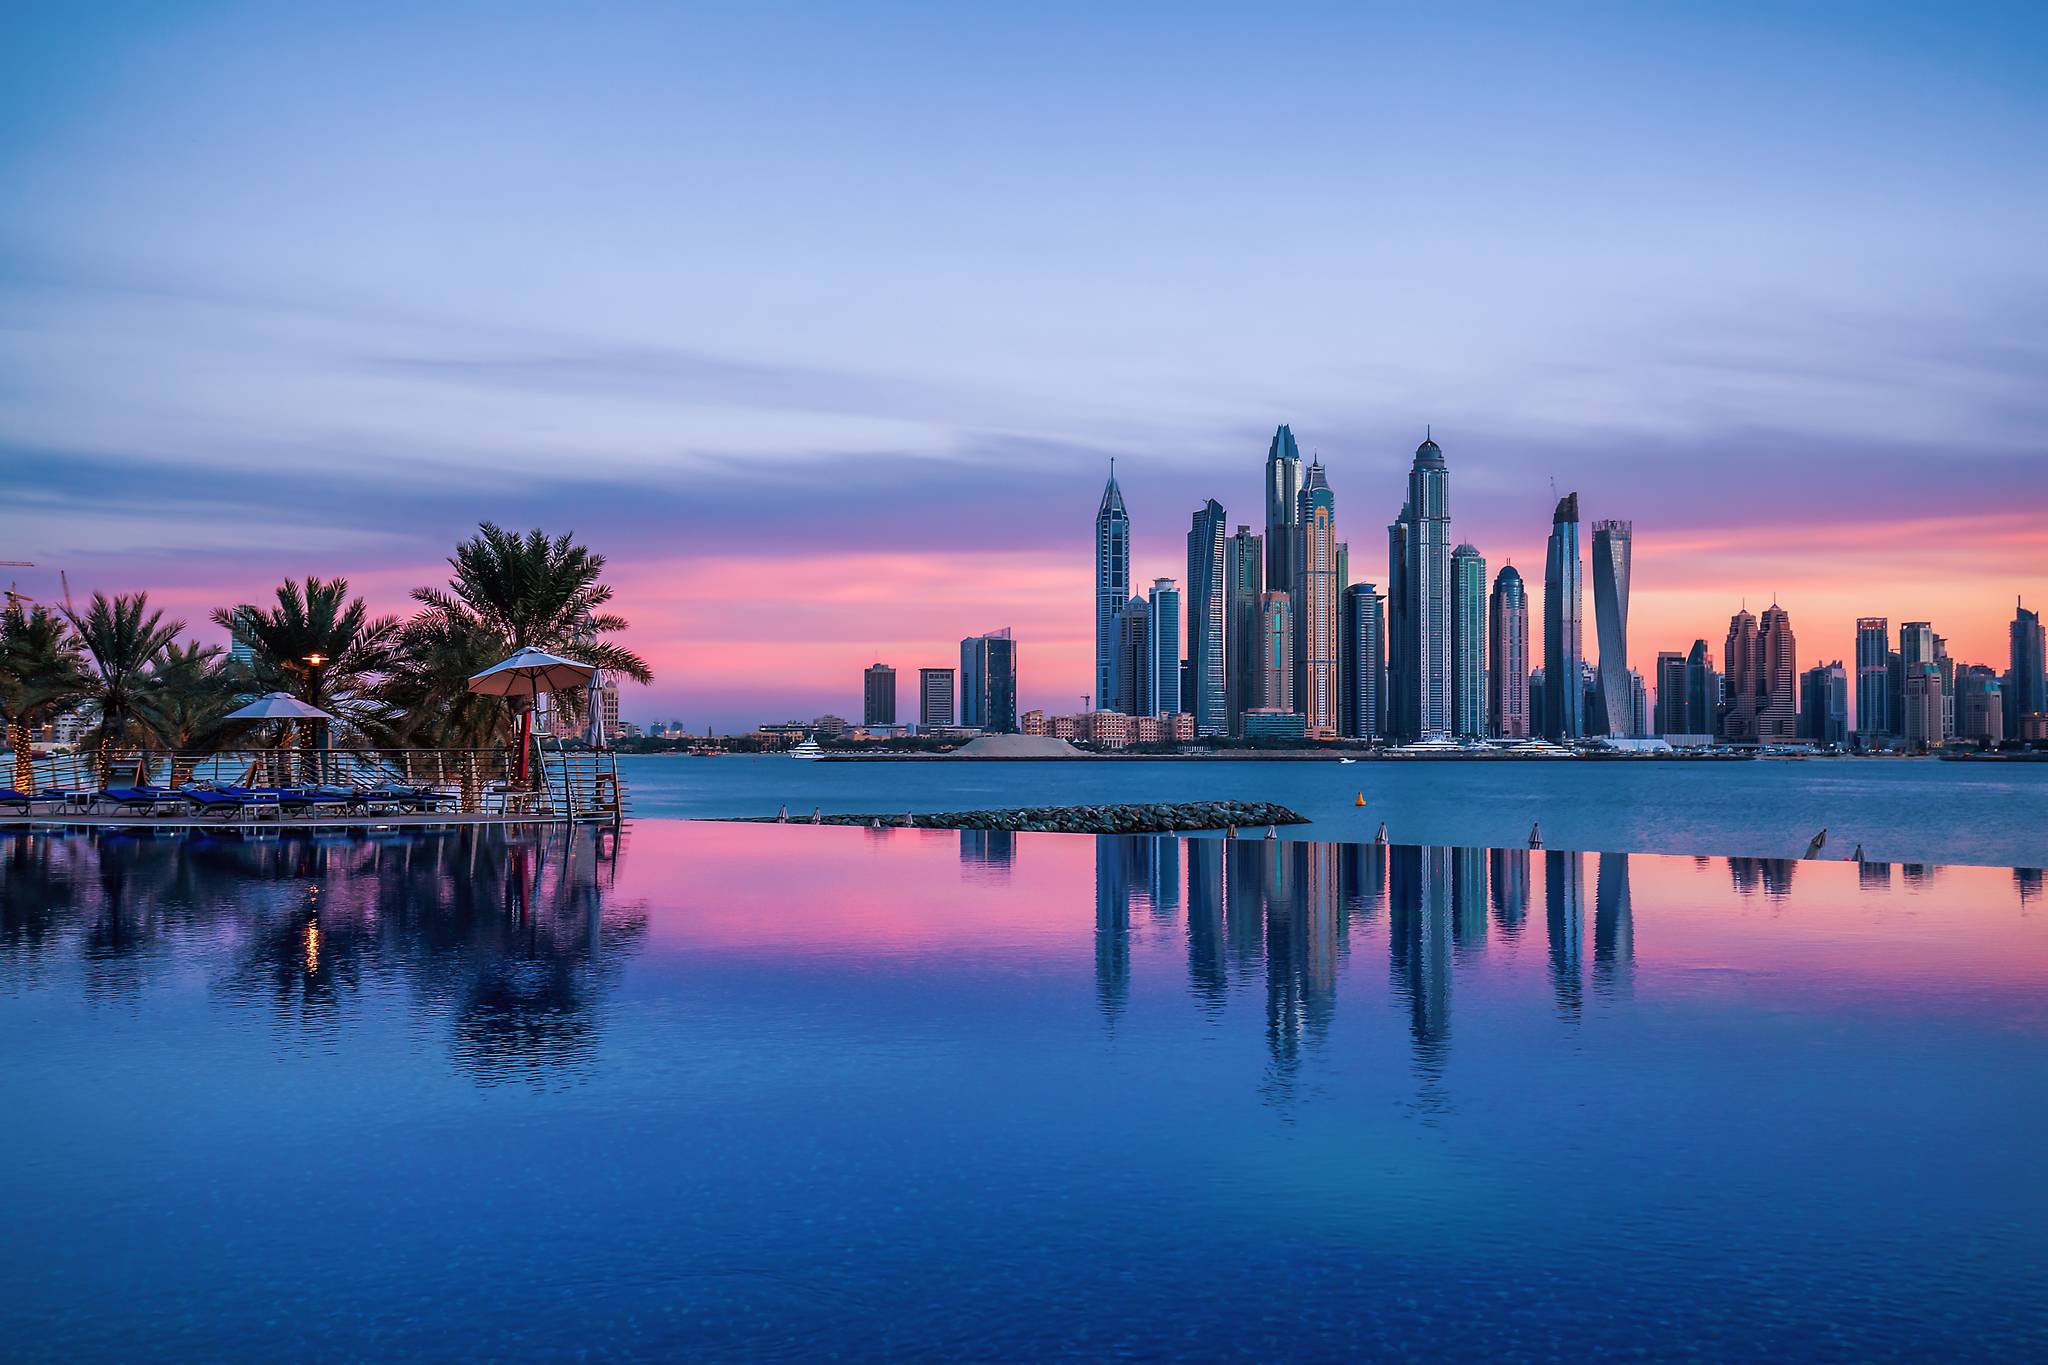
(226, 801)
(144, 798)
(10, 797)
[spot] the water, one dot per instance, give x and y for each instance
(722, 1091)
(1918, 810)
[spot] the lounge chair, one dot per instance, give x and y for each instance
(144, 797)
(71, 798)
(10, 797)
(226, 801)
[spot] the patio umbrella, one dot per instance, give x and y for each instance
(285, 707)
(527, 674)
(593, 703)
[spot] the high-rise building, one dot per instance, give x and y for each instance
(1564, 646)
(1316, 607)
(1673, 715)
(1739, 656)
(1611, 555)
(1364, 647)
(1507, 656)
(1208, 698)
(1164, 604)
(934, 698)
(1283, 510)
(1424, 650)
(1824, 704)
(1134, 658)
(1468, 642)
(1923, 705)
(1112, 583)
(1702, 691)
(1980, 710)
(1244, 580)
(988, 682)
(1276, 652)
(1873, 679)
(1400, 673)
(878, 701)
(2026, 685)
(1638, 705)
(1777, 711)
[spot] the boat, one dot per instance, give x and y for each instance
(808, 749)
(1347, 760)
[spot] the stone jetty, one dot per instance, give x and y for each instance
(1164, 817)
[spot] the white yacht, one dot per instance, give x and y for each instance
(808, 749)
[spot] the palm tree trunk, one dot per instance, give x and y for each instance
(106, 761)
(21, 739)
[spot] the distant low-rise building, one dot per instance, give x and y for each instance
(1273, 722)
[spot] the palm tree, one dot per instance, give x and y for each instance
(193, 694)
(317, 644)
(512, 591)
(122, 639)
(41, 677)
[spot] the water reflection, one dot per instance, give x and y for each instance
(510, 938)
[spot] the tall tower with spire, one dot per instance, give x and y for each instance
(1317, 607)
(1112, 585)
(1422, 537)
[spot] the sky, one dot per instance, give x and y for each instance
(824, 322)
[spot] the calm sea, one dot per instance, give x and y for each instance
(751, 1092)
(1919, 810)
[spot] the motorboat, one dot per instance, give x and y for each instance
(808, 749)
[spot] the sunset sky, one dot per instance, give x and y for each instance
(824, 322)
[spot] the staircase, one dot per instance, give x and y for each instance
(584, 785)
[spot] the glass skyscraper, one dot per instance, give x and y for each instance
(1507, 656)
(1873, 678)
(1244, 572)
(1611, 555)
(2026, 687)
(1208, 572)
(1468, 642)
(1363, 635)
(1563, 625)
(1283, 510)
(988, 682)
(1165, 640)
(1112, 584)
(1423, 651)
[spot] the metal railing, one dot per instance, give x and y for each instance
(559, 785)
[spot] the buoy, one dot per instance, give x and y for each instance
(782, 815)
(1813, 848)
(1272, 832)
(1360, 801)
(1230, 831)
(875, 822)
(1535, 836)
(909, 820)
(1381, 837)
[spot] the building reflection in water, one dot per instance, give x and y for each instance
(508, 935)
(1614, 931)
(1419, 949)
(1509, 874)
(2027, 881)
(1113, 858)
(1564, 910)
(989, 853)
(1206, 976)
(1874, 876)
(1468, 901)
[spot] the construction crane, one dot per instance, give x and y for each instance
(16, 598)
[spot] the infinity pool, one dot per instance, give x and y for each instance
(794, 1093)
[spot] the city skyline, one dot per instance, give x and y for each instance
(351, 330)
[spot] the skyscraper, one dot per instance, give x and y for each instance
(1208, 571)
(1873, 678)
(1316, 607)
(1923, 705)
(1364, 648)
(1134, 658)
(1165, 669)
(1777, 712)
(1112, 584)
(1702, 691)
(988, 682)
(878, 695)
(1468, 642)
(1244, 581)
(1824, 704)
(1400, 674)
(1283, 510)
(2026, 680)
(934, 698)
(1425, 614)
(1563, 625)
(1980, 712)
(1672, 711)
(1611, 555)
(1276, 652)
(1739, 657)
(1507, 656)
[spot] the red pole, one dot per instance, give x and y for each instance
(525, 739)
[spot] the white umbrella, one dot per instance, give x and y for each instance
(593, 701)
(278, 706)
(527, 674)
